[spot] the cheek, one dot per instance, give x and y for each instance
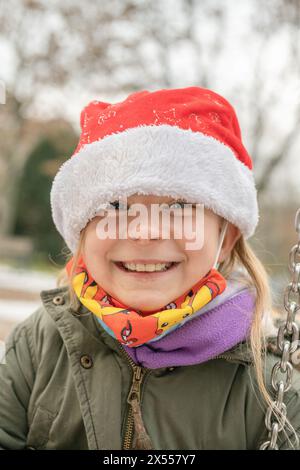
(95, 255)
(198, 260)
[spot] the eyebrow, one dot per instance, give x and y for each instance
(172, 200)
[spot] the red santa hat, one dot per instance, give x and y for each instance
(184, 143)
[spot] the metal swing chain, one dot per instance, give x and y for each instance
(287, 342)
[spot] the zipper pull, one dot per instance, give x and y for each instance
(136, 384)
(141, 438)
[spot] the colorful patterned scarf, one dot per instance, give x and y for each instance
(132, 327)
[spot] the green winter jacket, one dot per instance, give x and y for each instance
(65, 384)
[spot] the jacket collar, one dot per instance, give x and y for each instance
(57, 304)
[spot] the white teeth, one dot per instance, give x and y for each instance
(147, 267)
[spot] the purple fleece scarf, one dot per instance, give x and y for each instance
(224, 323)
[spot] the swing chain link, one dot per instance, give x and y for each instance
(287, 343)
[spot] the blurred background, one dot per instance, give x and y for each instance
(56, 56)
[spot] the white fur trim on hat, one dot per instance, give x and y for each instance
(161, 160)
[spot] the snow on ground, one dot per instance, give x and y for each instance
(16, 308)
(25, 280)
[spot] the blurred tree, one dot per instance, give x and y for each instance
(33, 210)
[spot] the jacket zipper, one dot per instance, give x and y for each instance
(134, 422)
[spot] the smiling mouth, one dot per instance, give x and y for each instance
(149, 268)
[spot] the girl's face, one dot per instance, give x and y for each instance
(144, 291)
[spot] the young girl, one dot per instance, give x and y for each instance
(147, 342)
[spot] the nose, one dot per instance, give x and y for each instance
(143, 236)
(142, 241)
(144, 232)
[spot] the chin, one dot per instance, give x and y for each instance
(147, 306)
